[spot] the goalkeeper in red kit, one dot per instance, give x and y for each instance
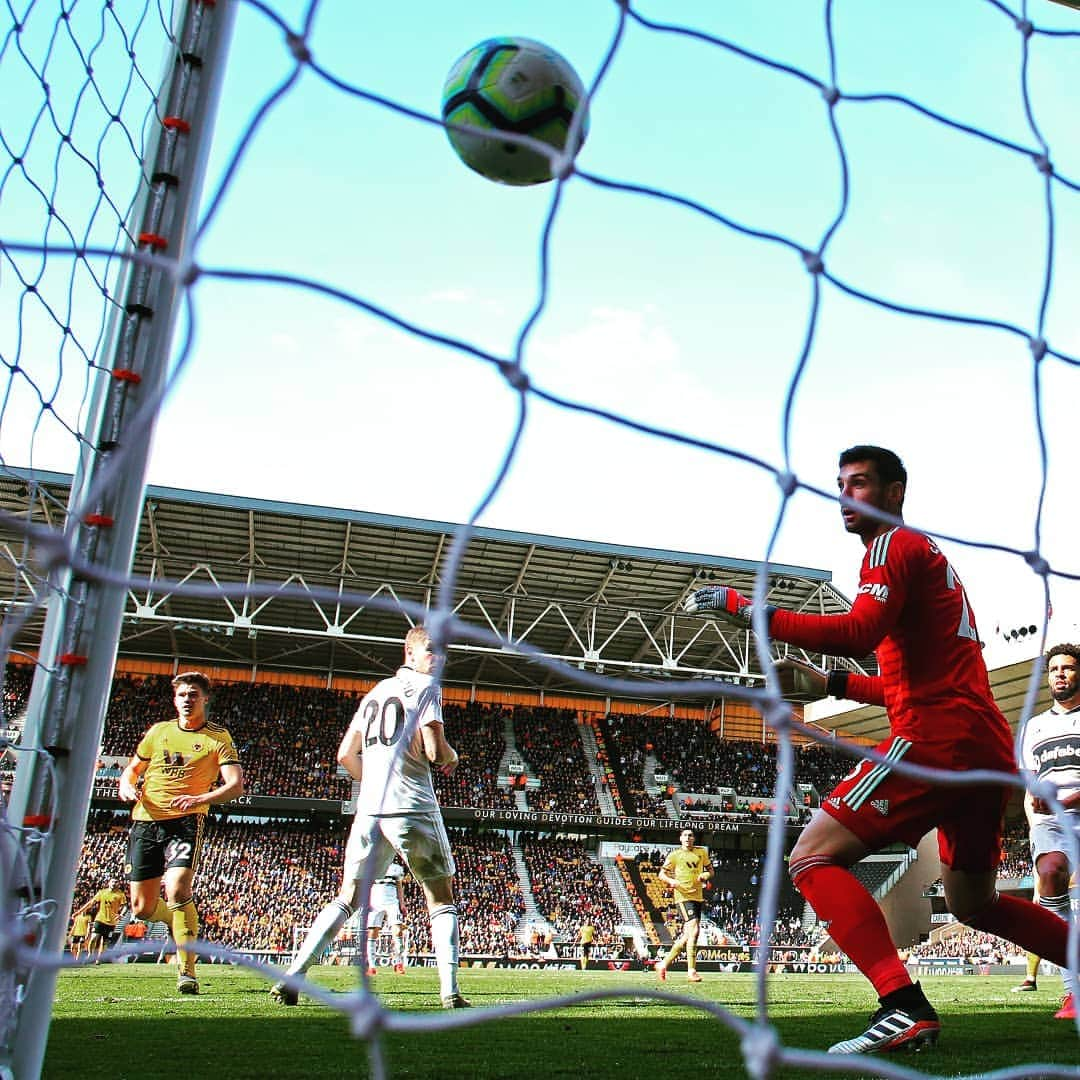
(911, 610)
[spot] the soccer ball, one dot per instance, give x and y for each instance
(516, 85)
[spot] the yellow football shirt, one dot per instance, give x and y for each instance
(181, 762)
(80, 927)
(109, 902)
(686, 867)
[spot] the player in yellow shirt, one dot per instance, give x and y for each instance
(80, 927)
(684, 871)
(586, 940)
(171, 782)
(110, 902)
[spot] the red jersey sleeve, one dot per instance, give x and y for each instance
(869, 689)
(883, 589)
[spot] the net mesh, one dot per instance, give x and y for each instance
(74, 162)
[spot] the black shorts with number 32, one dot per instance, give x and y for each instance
(690, 909)
(156, 846)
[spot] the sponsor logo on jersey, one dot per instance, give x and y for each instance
(834, 802)
(1066, 750)
(881, 806)
(875, 589)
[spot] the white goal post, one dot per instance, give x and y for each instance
(86, 564)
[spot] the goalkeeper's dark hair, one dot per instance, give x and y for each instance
(1066, 648)
(890, 468)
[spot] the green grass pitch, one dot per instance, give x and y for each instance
(127, 1021)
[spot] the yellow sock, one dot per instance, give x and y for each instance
(672, 953)
(185, 928)
(1032, 965)
(161, 913)
(691, 957)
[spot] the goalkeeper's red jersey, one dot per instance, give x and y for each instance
(912, 611)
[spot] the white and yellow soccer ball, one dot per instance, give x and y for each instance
(512, 84)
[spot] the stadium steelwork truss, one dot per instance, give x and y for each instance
(284, 586)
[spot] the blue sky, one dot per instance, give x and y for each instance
(655, 311)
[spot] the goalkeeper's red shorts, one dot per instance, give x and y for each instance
(882, 807)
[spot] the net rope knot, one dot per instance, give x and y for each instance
(760, 1048)
(813, 262)
(778, 715)
(831, 95)
(1037, 563)
(1025, 26)
(298, 46)
(515, 376)
(1038, 348)
(1043, 164)
(366, 1018)
(788, 483)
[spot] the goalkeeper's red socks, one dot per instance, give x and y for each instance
(855, 920)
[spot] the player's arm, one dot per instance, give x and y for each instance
(856, 633)
(84, 909)
(129, 779)
(437, 750)
(706, 870)
(1034, 805)
(349, 752)
(665, 875)
(232, 786)
(800, 679)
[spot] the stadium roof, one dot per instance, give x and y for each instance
(601, 607)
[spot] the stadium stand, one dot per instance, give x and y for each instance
(261, 877)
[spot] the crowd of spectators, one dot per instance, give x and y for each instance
(1015, 850)
(972, 946)
(629, 740)
(569, 887)
(477, 733)
(257, 880)
(548, 741)
(697, 761)
(288, 737)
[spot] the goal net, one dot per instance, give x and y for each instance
(811, 203)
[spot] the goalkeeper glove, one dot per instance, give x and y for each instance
(727, 602)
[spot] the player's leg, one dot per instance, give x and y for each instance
(1048, 843)
(439, 894)
(183, 922)
(672, 954)
(1031, 975)
(819, 868)
(970, 848)
(370, 941)
(848, 827)
(690, 930)
(397, 946)
(182, 848)
(366, 844)
(424, 847)
(145, 869)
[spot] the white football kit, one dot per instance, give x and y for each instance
(385, 906)
(1051, 750)
(396, 809)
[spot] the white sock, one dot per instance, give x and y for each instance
(1059, 905)
(444, 938)
(323, 930)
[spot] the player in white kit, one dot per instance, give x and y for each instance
(391, 746)
(384, 910)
